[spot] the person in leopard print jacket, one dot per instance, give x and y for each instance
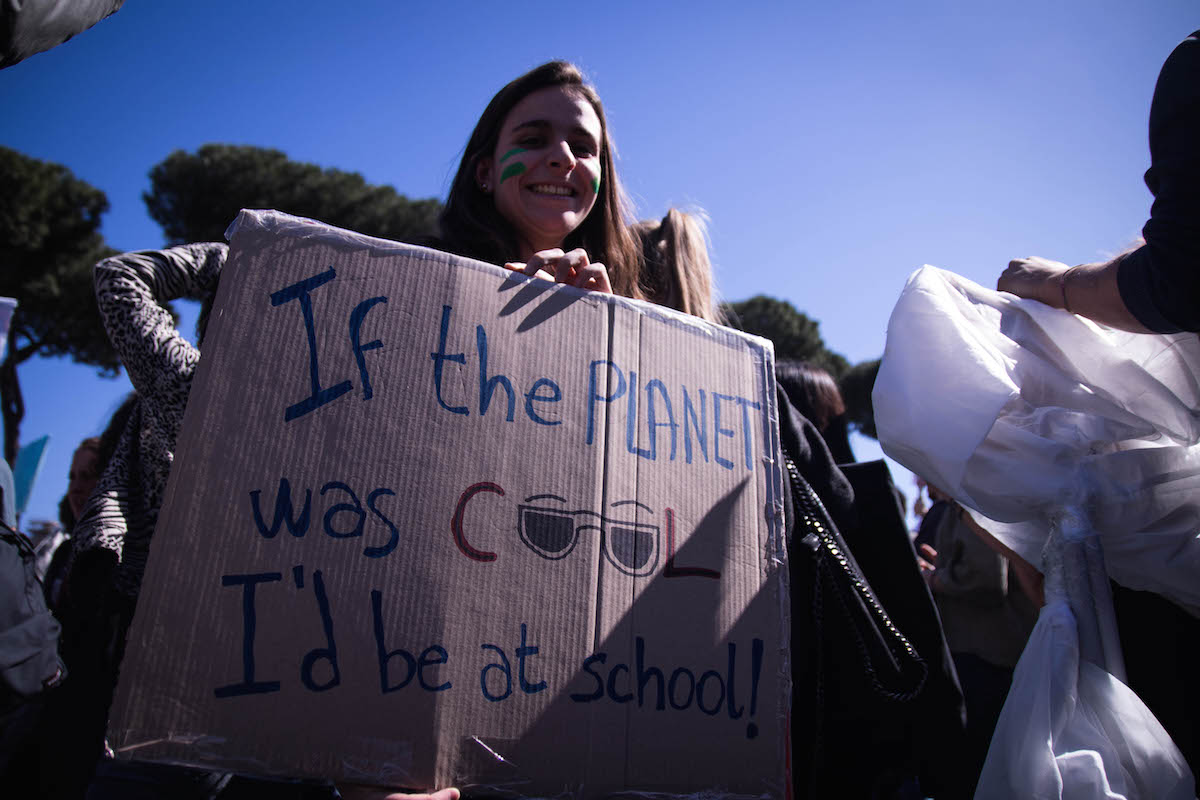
(111, 541)
(131, 291)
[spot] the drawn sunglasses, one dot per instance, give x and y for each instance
(552, 532)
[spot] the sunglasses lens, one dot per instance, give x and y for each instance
(551, 535)
(632, 547)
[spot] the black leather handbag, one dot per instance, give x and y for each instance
(871, 702)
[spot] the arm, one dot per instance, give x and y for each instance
(966, 567)
(1031, 581)
(1089, 290)
(130, 291)
(1157, 286)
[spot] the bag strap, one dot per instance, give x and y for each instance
(813, 518)
(16, 537)
(29, 633)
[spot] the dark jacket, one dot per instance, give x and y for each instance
(1160, 281)
(874, 708)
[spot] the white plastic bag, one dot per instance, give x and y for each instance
(1017, 409)
(1072, 730)
(1077, 445)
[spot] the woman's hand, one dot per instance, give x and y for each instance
(574, 268)
(1089, 290)
(1034, 278)
(357, 791)
(926, 559)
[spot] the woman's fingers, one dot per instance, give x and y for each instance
(517, 266)
(570, 264)
(1034, 278)
(441, 794)
(357, 791)
(574, 268)
(544, 260)
(593, 277)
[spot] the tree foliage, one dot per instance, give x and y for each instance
(194, 196)
(49, 240)
(794, 334)
(856, 386)
(798, 337)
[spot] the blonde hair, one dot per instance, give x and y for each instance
(676, 271)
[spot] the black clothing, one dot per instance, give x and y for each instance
(1160, 284)
(1160, 281)
(864, 719)
(927, 532)
(1161, 642)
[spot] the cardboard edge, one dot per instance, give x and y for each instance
(773, 509)
(267, 220)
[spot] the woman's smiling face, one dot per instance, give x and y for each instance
(545, 170)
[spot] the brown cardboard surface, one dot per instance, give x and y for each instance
(578, 585)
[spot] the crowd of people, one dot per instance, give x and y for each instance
(901, 692)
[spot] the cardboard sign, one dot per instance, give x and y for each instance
(434, 523)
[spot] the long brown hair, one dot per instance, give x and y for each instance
(815, 394)
(471, 226)
(812, 390)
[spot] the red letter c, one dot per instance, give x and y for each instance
(456, 524)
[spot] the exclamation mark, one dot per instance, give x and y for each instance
(756, 654)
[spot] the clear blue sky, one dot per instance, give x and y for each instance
(836, 146)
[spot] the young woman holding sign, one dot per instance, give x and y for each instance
(537, 190)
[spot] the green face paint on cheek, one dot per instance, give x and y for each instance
(512, 171)
(511, 153)
(596, 185)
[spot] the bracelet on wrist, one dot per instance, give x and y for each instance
(1062, 287)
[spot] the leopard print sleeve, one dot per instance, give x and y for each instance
(131, 290)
